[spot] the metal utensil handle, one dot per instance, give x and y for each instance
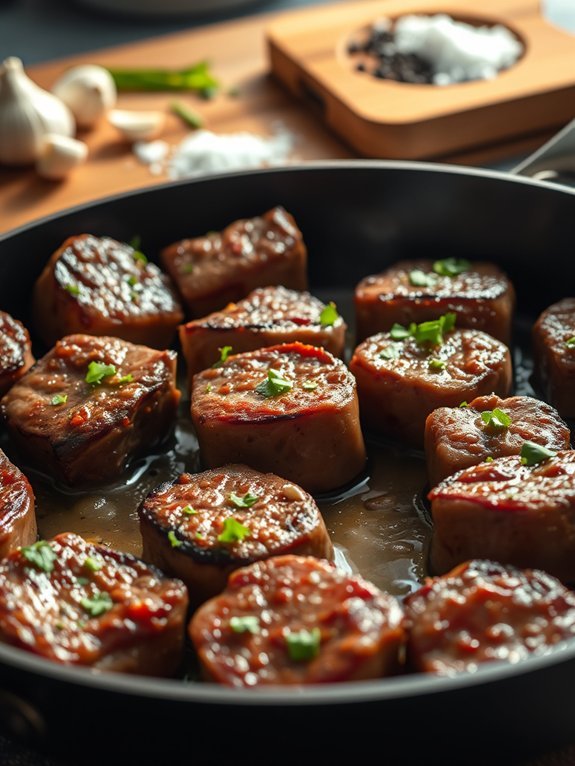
(555, 157)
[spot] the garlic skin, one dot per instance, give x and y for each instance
(89, 91)
(27, 114)
(137, 125)
(61, 155)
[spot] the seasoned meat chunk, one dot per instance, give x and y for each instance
(508, 511)
(17, 516)
(403, 376)
(416, 291)
(100, 286)
(92, 404)
(297, 620)
(267, 317)
(81, 604)
(486, 428)
(483, 611)
(225, 266)
(554, 355)
(203, 526)
(290, 409)
(15, 351)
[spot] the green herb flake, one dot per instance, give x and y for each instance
(97, 371)
(532, 453)
(419, 278)
(488, 459)
(464, 404)
(208, 388)
(496, 419)
(187, 115)
(303, 645)
(40, 555)
(309, 385)
(432, 332)
(329, 315)
(98, 604)
(399, 332)
(59, 626)
(243, 502)
(225, 351)
(82, 580)
(59, 399)
(126, 379)
(451, 267)
(200, 536)
(389, 352)
(72, 289)
(92, 564)
(233, 531)
(189, 511)
(436, 365)
(570, 343)
(174, 542)
(274, 385)
(249, 623)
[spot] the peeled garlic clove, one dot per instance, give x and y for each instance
(136, 125)
(61, 155)
(27, 114)
(88, 90)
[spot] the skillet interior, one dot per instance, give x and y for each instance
(356, 217)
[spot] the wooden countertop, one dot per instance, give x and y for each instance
(237, 53)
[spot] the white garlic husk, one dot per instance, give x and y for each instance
(89, 91)
(27, 114)
(60, 156)
(136, 125)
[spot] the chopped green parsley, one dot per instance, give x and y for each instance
(532, 453)
(389, 352)
(329, 315)
(496, 419)
(274, 385)
(59, 399)
(72, 289)
(97, 371)
(303, 645)
(243, 502)
(249, 623)
(570, 342)
(430, 332)
(420, 278)
(92, 564)
(451, 267)
(98, 604)
(309, 385)
(435, 365)
(174, 541)
(233, 531)
(225, 351)
(40, 555)
(189, 511)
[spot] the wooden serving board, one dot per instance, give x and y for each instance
(382, 118)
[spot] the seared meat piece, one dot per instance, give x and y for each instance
(225, 266)
(290, 409)
(203, 526)
(400, 382)
(90, 405)
(99, 286)
(81, 604)
(15, 351)
(459, 437)
(268, 316)
(17, 517)
(554, 355)
(483, 611)
(510, 512)
(415, 291)
(297, 620)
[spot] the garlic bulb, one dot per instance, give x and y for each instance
(137, 125)
(88, 90)
(27, 114)
(61, 155)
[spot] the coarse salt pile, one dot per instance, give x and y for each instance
(455, 50)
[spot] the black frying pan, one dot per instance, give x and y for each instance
(356, 217)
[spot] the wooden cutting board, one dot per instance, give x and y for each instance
(382, 118)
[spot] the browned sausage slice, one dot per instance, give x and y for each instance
(400, 382)
(81, 604)
(554, 355)
(100, 286)
(416, 291)
(15, 351)
(17, 516)
(267, 317)
(90, 405)
(221, 267)
(510, 512)
(297, 620)
(482, 612)
(459, 437)
(203, 526)
(290, 409)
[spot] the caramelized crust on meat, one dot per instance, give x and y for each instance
(184, 525)
(225, 266)
(81, 604)
(509, 512)
(243, 636)
(483, 611)
(400, 383)
(554, 353)
(267, 317)
(17, 516)
(84, 432)
(100, 286)
(457, 437)
(309, 434)
(482, 297)
(15, 351)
